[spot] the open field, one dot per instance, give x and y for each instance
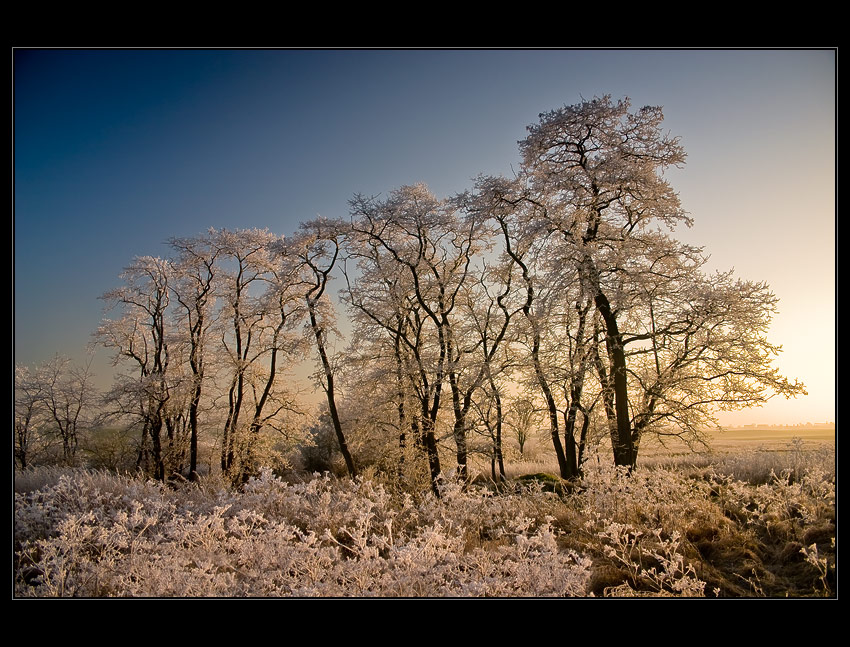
(745, 439)
(749, 450)
(770, 435)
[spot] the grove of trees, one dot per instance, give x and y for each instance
(557, 298)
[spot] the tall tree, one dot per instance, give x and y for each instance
(140, 336)
(387, 325)
(595, 175)
(483, 331)
(317, 249)
(596, 170)
(258, 295)
(419, 236)
(245, 258)
(194, 289)
(525, 243)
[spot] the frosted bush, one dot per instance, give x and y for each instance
(652, 560)
(801, 502)
(320, 538)
(658, 498)
(649, 532)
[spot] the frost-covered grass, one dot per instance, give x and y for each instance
(94, 536)
(756, 465)
(662, 531)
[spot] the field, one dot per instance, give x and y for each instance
(755, 517)
(766, 438)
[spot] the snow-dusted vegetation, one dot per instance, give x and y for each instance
(656, 532)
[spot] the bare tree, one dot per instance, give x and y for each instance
(317, 250)
(700, 346)
(592, 184)
(246, 265)
(140, 336)
(421, 238)
(68, 397)
(30, 414)
(521, 419)
(595, 169)
(516, 214)
(194, 285)
(389, 327)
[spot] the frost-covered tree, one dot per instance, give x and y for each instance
(521, 420)
(196, 269)
(30, 416)
(606, 291)
(529, 248)
(387, 337)
(422, 238)
(699, 346)
(596, 171)
(314, 252)
(255, 291)
(69, 397)
(140, 336)
(593, 177)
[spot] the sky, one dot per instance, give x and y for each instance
(115, 151)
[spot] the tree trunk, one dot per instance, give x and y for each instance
(156, 446)
(196, 363)
(329, 391)
(228, 443)
(430, 442)
(570, 445)
(459, 430)
(402, 416)
(623, 447)
(551, 407)
(498, 445)
(194, 404)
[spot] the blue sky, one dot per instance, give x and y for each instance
(118, 150)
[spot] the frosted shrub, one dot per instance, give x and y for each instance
(821, 564)
(726, 531)
(658, 498)
(486, 518)
(320, 538)
(649, 532)
(802, 502)
(37, 478)
(650, 560)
